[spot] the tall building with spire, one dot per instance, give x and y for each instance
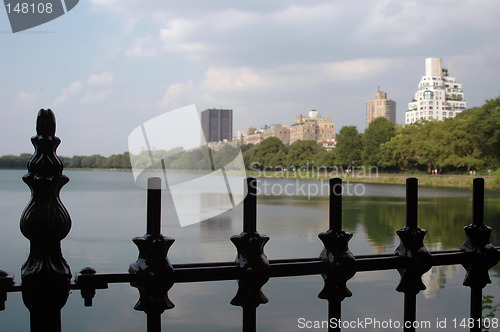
(438, 97)
(380, 106)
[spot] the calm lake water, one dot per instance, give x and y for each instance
(108, 210)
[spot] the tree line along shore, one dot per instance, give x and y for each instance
(439, 152)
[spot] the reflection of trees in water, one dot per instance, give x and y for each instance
(381, 217)
(492, 219)
(443, 218)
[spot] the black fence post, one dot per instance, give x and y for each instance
(485, 256)
(419, 258)
(45, 222)
(336, 253)
(6, 281)
(154, 275)
(254, 266)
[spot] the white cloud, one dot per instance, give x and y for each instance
(93, 97)
(250, 34)
(245, 86)
(426, 23)
(176, 95)
(228, 79)
(27, 96)
(73, 89)
(144, 47)
(21, 103)
(101, 79)
(89, 96)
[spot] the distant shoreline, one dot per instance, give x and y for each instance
(427, 180)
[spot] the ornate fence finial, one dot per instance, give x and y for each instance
(478, 243)
(45, 222)
(412, 245)
(336, 253)
(154, 275)
(254, 265)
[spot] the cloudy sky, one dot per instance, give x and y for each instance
(107, 66)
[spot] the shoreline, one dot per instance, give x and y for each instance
(427, 180)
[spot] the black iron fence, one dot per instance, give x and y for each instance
(46, 279)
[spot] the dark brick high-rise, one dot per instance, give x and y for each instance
(217, 124)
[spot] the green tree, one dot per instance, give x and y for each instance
(431, 145)
(480, 135)
(378, 132)
(349, 147)
(303, 153)
(325, 159)
(268, 150)
(250, 158)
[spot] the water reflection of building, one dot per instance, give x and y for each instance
(435, 279)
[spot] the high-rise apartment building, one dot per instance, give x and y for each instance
(217, 124)
(438, 97)
(380, 106)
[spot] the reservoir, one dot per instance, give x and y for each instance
(108, 210)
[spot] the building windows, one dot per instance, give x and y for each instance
(428, 94)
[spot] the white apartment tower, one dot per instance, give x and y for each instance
(438, 97)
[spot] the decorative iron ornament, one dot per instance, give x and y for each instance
(255, 269)
(336, 253)
(419, 259)
(485, 256)
(154, 275)
(341, 264)
(254, 265)
(45, 222)
(412, 245)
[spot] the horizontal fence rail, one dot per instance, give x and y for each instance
(46, 277)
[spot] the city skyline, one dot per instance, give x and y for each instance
(107, 66)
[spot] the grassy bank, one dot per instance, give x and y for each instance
(460, 181)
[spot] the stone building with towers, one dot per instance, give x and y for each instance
(313, 127)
